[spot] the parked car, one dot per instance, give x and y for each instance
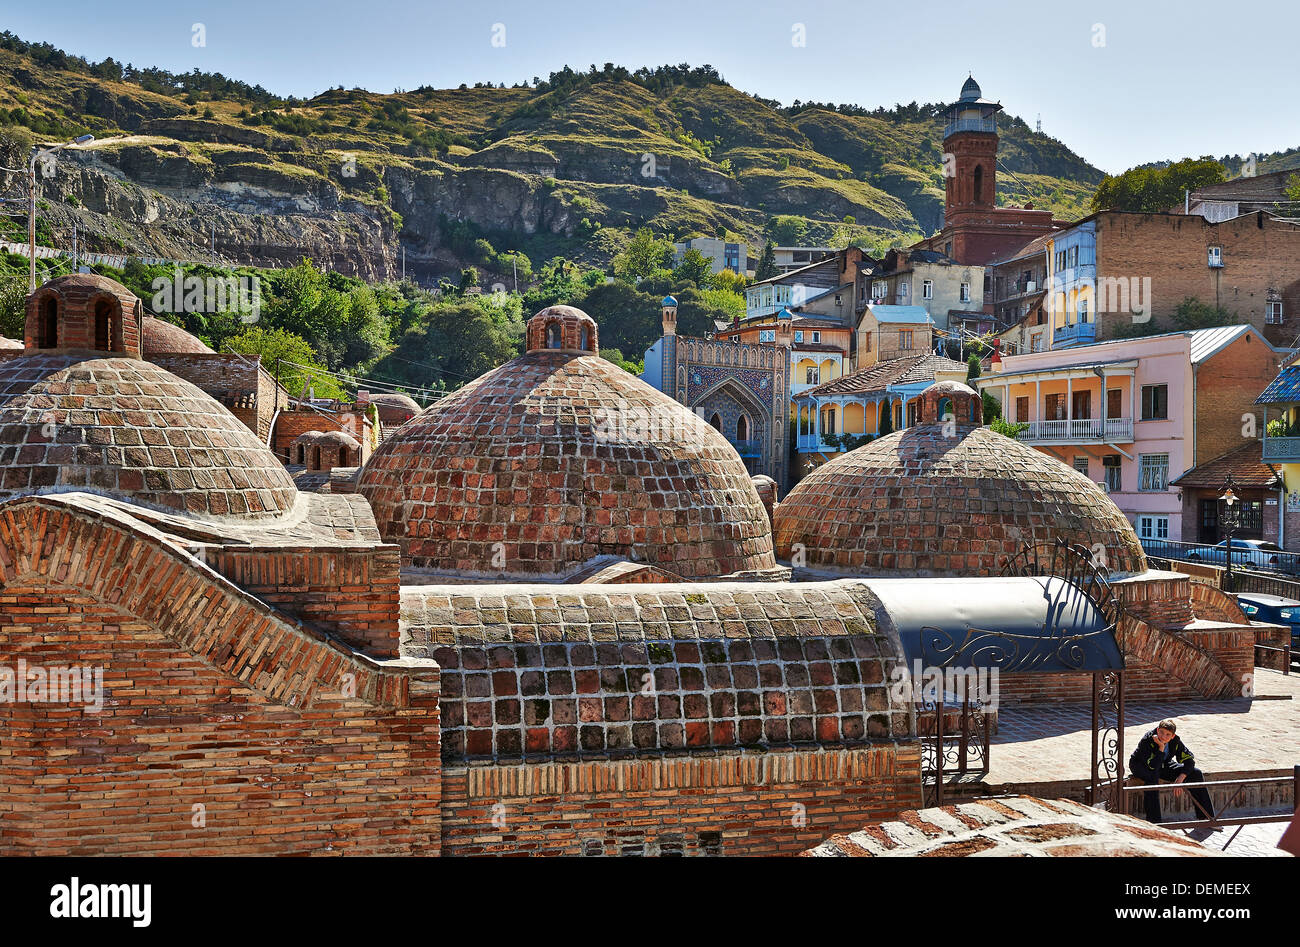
(1249, 553)
(1275, 610)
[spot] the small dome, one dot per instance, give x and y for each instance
(970, 90)
(83, 312)
(163, 338)
(341, 438)
(558, 457)
(669, 301)
(127, 428)
(563, 329)
(947, 497)
(395, 408)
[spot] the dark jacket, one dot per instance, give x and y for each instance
(1147, 759)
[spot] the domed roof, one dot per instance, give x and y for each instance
(163, 338)
(127, 428)
(395, 407)
(558, 457)
(970, 90)
(946, 497)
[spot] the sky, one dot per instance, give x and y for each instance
(1121, 83)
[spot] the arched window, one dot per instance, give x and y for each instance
(302, 454)
(828, 425)
(105, 325)
(553, 339)
(315, 458)
(945, 409)
(585, 343)
(48, 328)
(716, 421)
(742, 428)
(979, 184)
(976, 414)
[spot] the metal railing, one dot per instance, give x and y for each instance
(1077, 332)
(1245, 558)
(970, 125)
(1208, 822)
(1282, 448)
(1079, 430)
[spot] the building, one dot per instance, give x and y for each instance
(836, 416)
(1280, 449)
(887, 332)
(819, 352)
(1242, 195)
(796, 258)
(720, 254)
(945, 289)
(834, 286)
(282, 672)
(1256, 484)
(741, 389)
(975, 230)
(1134, 415)
(1114, 273)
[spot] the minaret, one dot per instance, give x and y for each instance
(670, 315)
(970, 145)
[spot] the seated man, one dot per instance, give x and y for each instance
(1161, 755)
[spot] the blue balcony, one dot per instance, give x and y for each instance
(1080, 333)
(748, 448)
(1282, 449)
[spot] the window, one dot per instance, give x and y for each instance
(716, 421)
(1110, 469)
(1083, 311)
(811, 376)
(553, 336)
(927, 289)
(1036, 342)
(828, 421)
(49, 323)
(1081, 465)
(817, 337)
(1153, 472)
(965, 292)
(905, 339)
(1153, 527)
(879, 289)
(1022, 408)
(1054, 407)
(742, 428)
(798, 336)
(584, 339)
(1215, 256)
(898, 417)
(1155, 402)
(1273, 316)
(1114, 402)
(979, 184)
(767, 335)
(902, 290)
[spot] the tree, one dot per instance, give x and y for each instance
(788, 230)
(992, 410)
(886, 419)
(731, 282)
(695, 268)
(1151, 190)
(766, 267)
(13, 307)
(1191, 313)
(289, 357)
(972, 368)
(643, 255)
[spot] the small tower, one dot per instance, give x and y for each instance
(670, 315)
(785, 329)
(970, 144)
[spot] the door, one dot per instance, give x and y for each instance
(1208, 522)
(1114, 403)
(1082, 404)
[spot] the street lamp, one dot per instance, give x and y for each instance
(31, 204)
(1231, 522)
(514, 262)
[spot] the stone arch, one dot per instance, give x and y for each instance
(46, 331)
(105, 328)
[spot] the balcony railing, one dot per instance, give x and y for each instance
(748, 448)
(1079, 333)
(1079, 431)
(970, 125)
(1283, 449)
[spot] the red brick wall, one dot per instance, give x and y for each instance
(1258, 254)
(1226, 388)
(752, 800)
(290, 743)
(352, 593)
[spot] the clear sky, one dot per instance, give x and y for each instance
(1121, 83)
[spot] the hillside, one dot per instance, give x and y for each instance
(566, 166)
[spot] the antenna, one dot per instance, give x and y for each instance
(1039, 129)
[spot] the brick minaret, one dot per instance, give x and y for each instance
(970, 146)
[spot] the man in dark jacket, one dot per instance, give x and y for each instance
(1161, 755)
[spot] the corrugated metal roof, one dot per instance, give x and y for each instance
(910, 314)
(1206, 342)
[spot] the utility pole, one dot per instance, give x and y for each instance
(214, 241)
(514, 263)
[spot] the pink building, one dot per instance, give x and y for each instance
(1136, 414)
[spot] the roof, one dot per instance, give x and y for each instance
(905, 314)
(893, 371)
(1245, 464)
(1015, 826)
(1283, 389)
(1205, 343)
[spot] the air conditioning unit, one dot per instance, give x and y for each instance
(1031, 287)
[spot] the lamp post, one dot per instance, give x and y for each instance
(1231, 522)
(31, 204)
(514, 262)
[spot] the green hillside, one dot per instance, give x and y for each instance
(563, 166)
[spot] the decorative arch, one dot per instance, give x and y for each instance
(105, 330)
(554, 334)
(978, 183)
(48, 312)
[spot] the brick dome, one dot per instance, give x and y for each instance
(395, 408)
(946, 498)
(558, 457)
(127, 428)
(163, 338)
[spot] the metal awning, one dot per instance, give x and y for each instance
(1035, 624)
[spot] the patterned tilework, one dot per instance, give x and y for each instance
(700, 378)
(924, 503)
(531, 672)
(555, 458)
(125, 427)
